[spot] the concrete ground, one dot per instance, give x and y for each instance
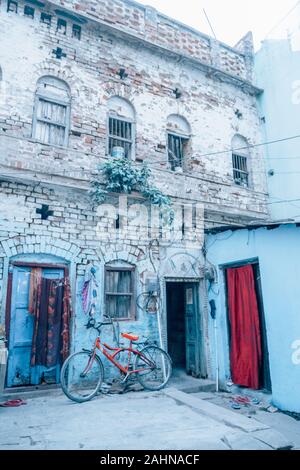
(277, 420)
(170, 419)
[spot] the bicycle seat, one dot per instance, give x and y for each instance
(129, 336)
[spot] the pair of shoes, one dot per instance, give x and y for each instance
(235, 406)
(242, 399)
(255, 401)
(17, 402)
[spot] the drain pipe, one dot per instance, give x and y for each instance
(213, 311)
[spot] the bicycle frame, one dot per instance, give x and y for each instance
(111, 357)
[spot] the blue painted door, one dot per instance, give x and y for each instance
(19, 371)
(192, 331)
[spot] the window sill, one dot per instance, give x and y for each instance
(247, 188)
(36, 141)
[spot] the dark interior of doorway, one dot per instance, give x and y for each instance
(265, 377)
(176, 324)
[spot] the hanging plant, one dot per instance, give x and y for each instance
(118, 175)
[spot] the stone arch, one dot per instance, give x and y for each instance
(37, 244)
(51, 69)
(240, 144)
(117, 89)
(121, 107)
(178, 124)
(55, 87)
(131, 255)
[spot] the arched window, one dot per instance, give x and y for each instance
(121, 127)
(240, 157)
(178, 136)
(119, 290)
(51, 119)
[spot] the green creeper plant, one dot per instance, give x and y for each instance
(118, 175)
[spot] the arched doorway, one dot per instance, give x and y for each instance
(38, 311)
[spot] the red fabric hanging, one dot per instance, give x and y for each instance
(245, 348)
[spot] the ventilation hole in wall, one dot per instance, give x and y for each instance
(12, 5)
(46, 18)
(62, 26)
(29, 11)
(76, 31)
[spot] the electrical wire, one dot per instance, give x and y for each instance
(219, 152)
(83, 171)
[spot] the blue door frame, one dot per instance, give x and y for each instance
(21, 324)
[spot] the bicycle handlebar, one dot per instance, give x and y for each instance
(97, 326)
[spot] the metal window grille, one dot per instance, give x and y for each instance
(176, 146)
(240, 171)
(119, 293)
(120, 135)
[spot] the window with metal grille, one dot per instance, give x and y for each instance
(240, 170)
(51, 113)
(120, 135)
(119, 293)
(176, 149)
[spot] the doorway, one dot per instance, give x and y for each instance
(183, 326)
(249, 357)
(36, 316)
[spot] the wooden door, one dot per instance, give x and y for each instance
(21, 330)
(192, 332)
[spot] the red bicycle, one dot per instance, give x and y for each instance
(82, 373)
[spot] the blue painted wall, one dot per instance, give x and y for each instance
(277, 70)
(145, 325)
(278, 253)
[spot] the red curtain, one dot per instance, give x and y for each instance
(245, 348)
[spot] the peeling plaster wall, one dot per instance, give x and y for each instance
(159, 55)
(71, 235)
(90, 69)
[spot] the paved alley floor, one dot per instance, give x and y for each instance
(287, 425)
(135, 420)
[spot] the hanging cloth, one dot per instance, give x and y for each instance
(52, 311)
(39, 340)
(34, 288)
(54, 326)
(89, 292)
(245, 344)
(66, 319)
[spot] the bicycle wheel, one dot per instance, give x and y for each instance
(154, 368)
(80, 378)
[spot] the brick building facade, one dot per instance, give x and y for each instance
(70, 70)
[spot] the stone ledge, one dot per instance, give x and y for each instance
(250, 434)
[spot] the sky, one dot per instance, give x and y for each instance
(230, 19)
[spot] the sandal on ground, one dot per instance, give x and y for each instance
(17, 402)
